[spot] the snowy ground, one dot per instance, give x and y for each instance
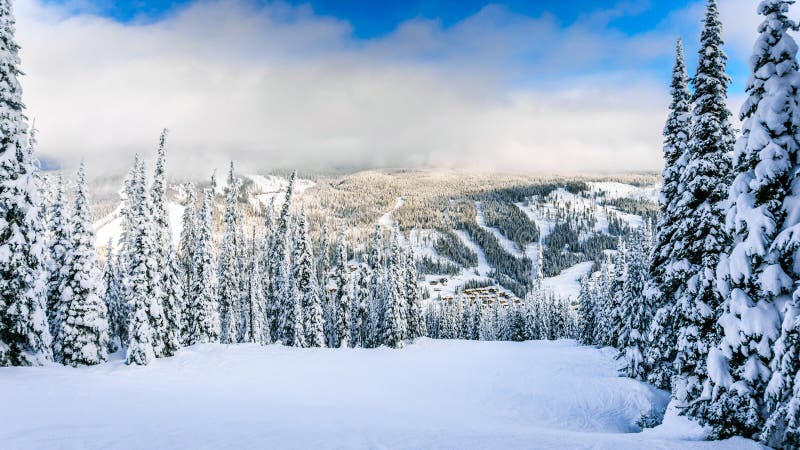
(433, 394)
(567, 284)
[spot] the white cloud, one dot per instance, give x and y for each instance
(279, 86)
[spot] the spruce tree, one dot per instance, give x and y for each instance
(416, 326)
(587, 314)
(281, 298)
(342, 297)
(758, 272)
(306, 280)
(700, 235)
(229, 282)
(204, 315)
(24, 335)
(114, 296)
(258, 331)
(186, 257)
(394, 316)
(636, 309)
(146, 315)
(661, 287)
(57, 245)
(170, 284)
(82, 337)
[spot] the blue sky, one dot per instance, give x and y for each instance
(555, 86)
(372, 18)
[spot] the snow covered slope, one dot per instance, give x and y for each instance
(110, 227)
(433, 394)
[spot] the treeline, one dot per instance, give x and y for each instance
(712, 312)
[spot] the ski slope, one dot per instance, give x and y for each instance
(432, 394)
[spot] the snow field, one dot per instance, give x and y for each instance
(432, 394)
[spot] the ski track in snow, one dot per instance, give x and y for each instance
(507, 244)
(432, 394)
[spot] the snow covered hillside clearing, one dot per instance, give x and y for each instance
(432, 394)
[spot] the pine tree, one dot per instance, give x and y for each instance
(170, 283)
(229, 282)
(416, 326)
(204, 315)
(58, 243)
(587, 314)
(114, 296)
(146, 316)
(342, 297)
(258, 331)
(306, 281)
(660, 288)
(758, 271)
(700, 236)
(636, 310)
(395, 322)
(82, 337)
(24, 335)
(377, 287)
(186, 256)
(281, 295)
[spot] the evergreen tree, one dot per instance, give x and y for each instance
(342, 297)
(587, 314)
(416, 326)
(204, 312)
(660, 288)
(636, 309)
(758, 272)
(170, 284)
(229, 282)
(306, 281)
(24, 335)
(57, 245)
(114, 295)
(82, 337)
(395, 322)
(700, 236)
(281, 295)
(146, 316)
(186, 256)
(258, 331)
(377, 286)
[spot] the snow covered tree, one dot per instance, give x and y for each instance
(114, 296)
(24, 335)
(258, 331)
(377, 287)
(394, 316)
(204, 313)
(758, 274)
(587, 314)
(305, 277)
(416, 325)
(660, 289)
(281, 295)
(229, 282)
(142, 290)
(170, 284)
(342, 296)
(186, 257)
(82, 336)
(57, 245)
(700, 234)
(636, 310)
